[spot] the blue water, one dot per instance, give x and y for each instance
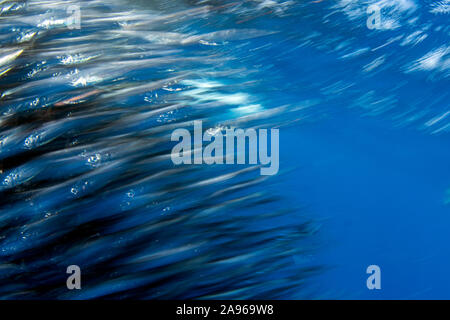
(384, 191)
(370, 162)
(364, 118)
(378, 181)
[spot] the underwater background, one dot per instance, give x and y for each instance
(86, 178)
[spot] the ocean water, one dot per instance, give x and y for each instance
(364, 119)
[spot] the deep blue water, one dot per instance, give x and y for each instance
(384, 191)
(379, 182)
(369, 163)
